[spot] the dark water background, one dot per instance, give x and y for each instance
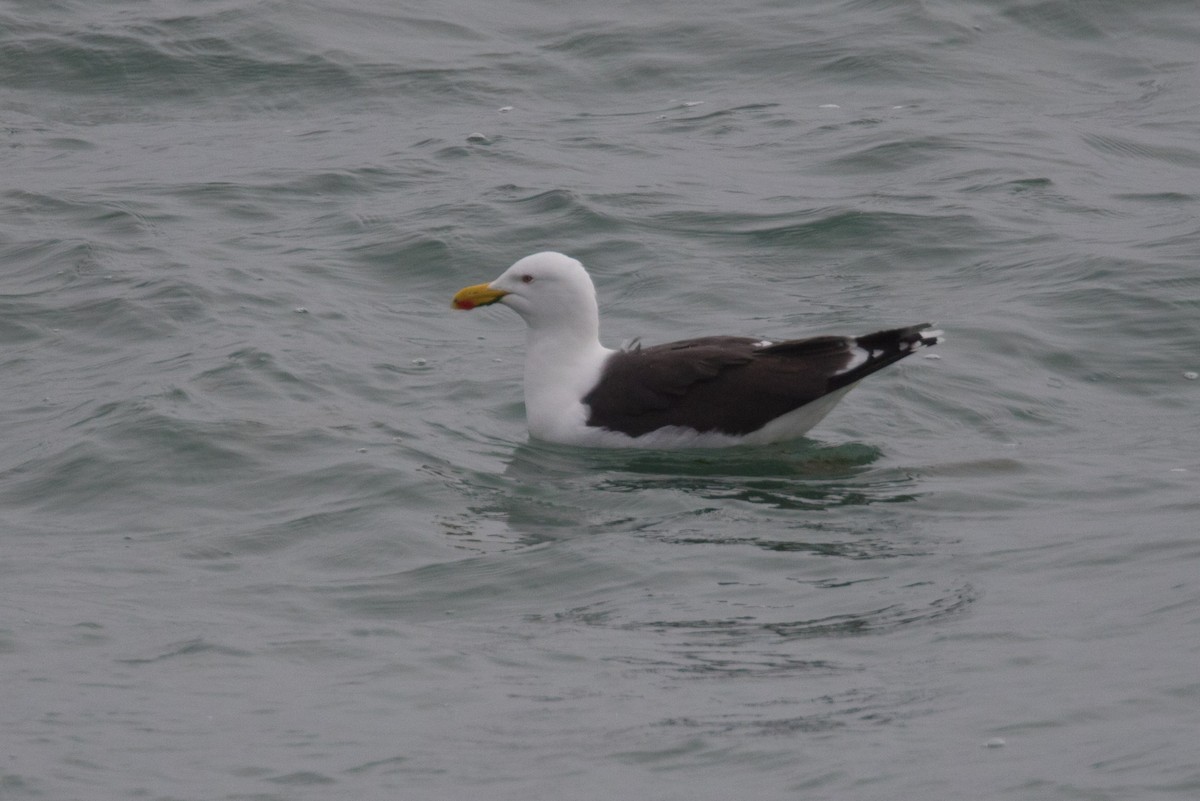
(271, 525)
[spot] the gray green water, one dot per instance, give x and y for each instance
(271, 527)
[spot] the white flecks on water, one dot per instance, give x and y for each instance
(1191, 375)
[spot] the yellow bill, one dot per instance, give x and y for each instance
(478, 295)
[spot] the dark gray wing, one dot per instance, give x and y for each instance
(732, 385)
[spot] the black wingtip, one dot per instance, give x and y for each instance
(888, 347)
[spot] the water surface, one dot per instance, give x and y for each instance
(272, 525)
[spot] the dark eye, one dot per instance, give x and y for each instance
(526, 279)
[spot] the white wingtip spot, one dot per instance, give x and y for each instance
(858, 356)
(936, 334)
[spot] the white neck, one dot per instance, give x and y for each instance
(561, 366)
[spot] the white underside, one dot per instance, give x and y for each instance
(573, 430)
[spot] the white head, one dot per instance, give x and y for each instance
(552, 292)
(564, 358)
